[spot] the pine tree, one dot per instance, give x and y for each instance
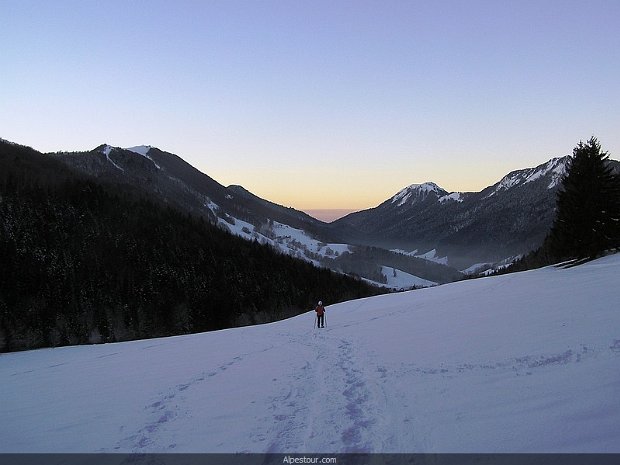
(587, 218)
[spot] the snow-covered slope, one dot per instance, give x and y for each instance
(286, 239)
(554, 168)
(523, 362)
(398, 279)
(144, 151)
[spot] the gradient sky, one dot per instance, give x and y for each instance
(317, 104)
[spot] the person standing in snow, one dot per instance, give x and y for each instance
(320, 315)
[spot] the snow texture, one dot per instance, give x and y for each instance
(415, 190)
(143, 150)
(526, 362)
(555, 166)
(106, 151)
(413, 253)
(286, 239)
(476, 268)
(398, 279)
(455, 196)
(431, 255)
(140, 149)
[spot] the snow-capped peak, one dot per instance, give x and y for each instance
(556, 167)
(415, 191)
(427, 187)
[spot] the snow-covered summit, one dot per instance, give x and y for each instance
(556, 167)
(417, 191)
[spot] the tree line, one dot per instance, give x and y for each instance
(84, 262)
(587, 218)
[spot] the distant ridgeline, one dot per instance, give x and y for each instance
(88, 262)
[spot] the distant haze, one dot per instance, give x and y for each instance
(329, 215)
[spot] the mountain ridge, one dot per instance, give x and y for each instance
(506, 219)
(460, 229)
(175, 182)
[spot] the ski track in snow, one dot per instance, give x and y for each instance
(329, 402)
(170, 406)
(164, 410)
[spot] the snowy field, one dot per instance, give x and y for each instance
(284, 238)
(398, 279)
(528, 362)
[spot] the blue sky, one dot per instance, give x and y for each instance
(317, 104)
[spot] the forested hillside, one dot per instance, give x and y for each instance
(84, 262)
